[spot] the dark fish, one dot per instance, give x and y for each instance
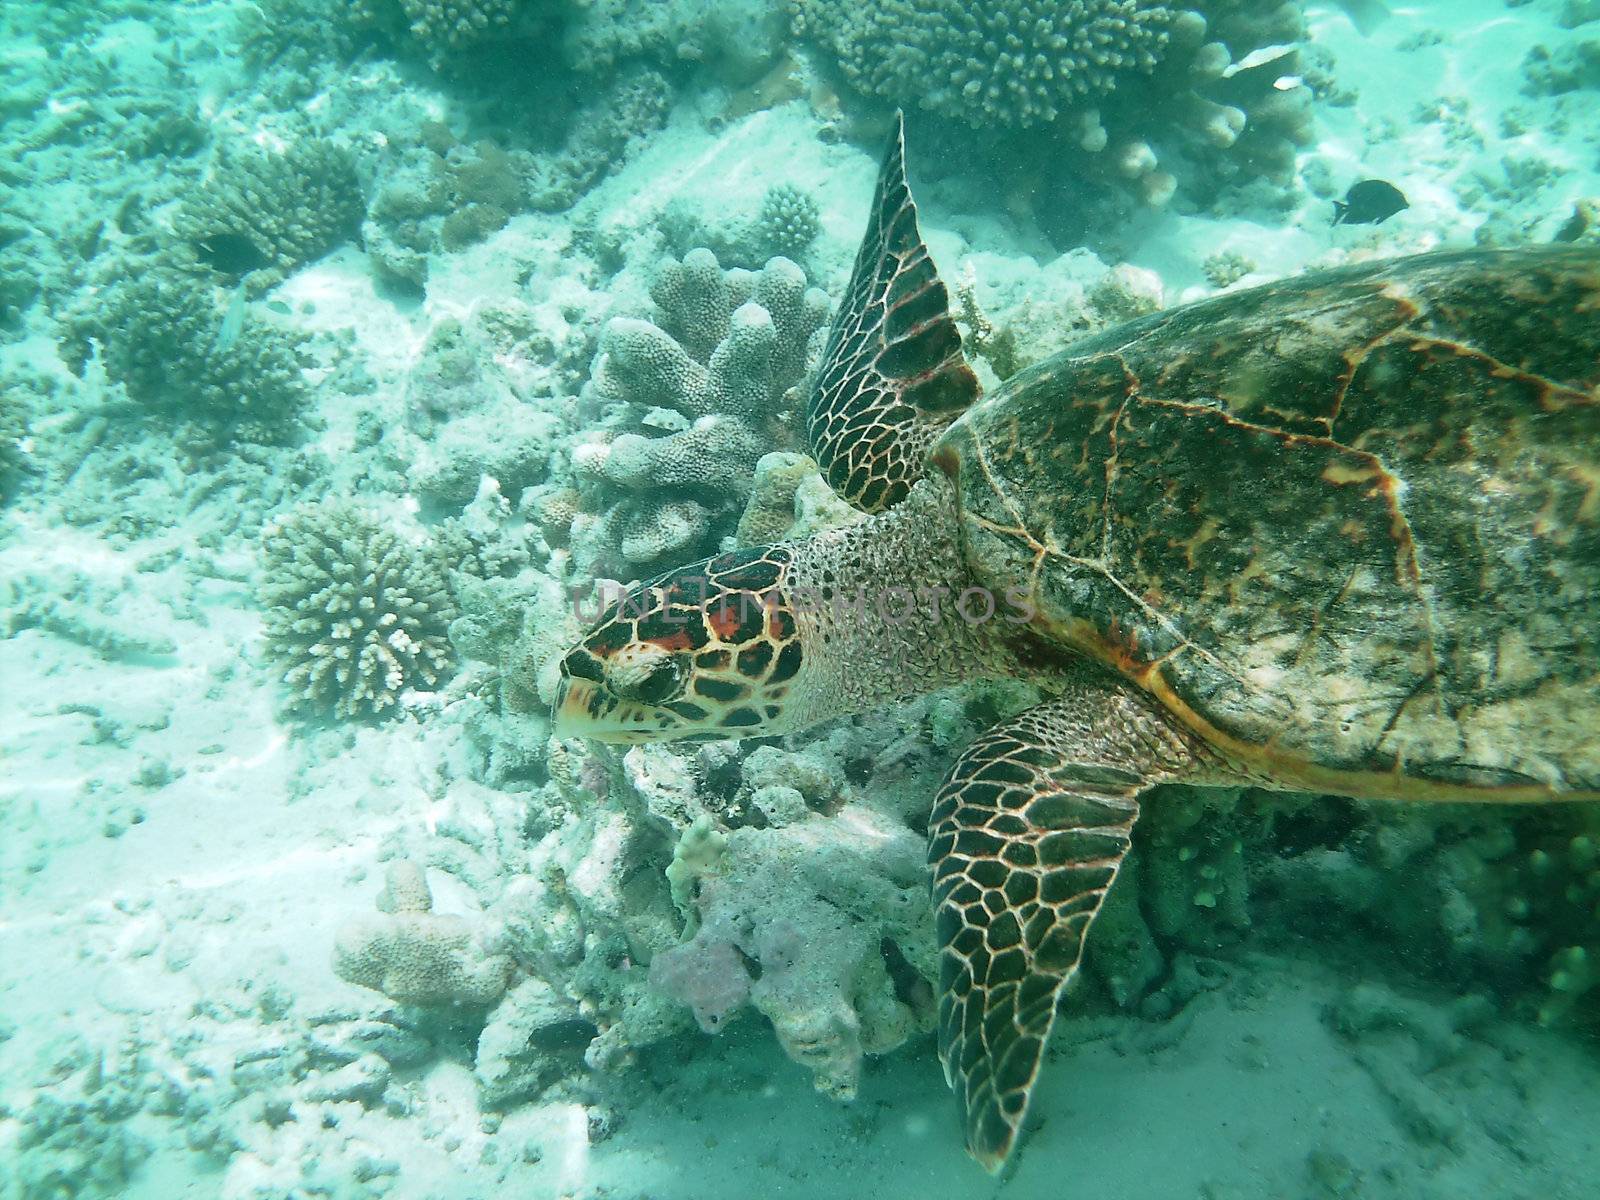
(230, 253)
(1370, 202)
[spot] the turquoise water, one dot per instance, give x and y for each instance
(352, 354)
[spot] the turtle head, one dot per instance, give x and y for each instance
(710, 650)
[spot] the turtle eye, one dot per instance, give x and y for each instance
(660, 683)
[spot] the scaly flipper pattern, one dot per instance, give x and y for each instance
(892, 375)
(1025, 839)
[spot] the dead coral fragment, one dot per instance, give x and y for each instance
(354, 615)
(414, 955)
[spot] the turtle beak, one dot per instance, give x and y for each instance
(574, 708)
(585, 709)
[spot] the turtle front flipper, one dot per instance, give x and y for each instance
(892, 375)
(1025, 839)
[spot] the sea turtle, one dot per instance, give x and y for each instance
(1336, 534)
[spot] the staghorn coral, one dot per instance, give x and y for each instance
(713, 382)
(354, 615)
(263, 216)
(414, 955)
(178, 345)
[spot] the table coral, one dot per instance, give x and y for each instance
(414, 955)
(354, 615)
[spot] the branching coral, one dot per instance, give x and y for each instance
(176, 344)
(414, 955)
(443, 27)
(1020, 63)
(1116, 79)
(354, 615)
(788, 222)
(84, 1141)
(785, 225)
(264, 215)
(717, 370)
(586, 36)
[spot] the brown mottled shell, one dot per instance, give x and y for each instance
(1345, 527)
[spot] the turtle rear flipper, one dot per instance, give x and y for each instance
(1025, 839)
(892, 375)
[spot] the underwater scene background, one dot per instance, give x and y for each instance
(344, 346)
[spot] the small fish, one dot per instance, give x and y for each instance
(230, 253)
(1370, 202)
(232, 321)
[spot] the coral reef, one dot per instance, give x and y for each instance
(712, 383)
(664, 879)
(824, 934)
(1584, 223)
(1023, 316)
(14, 457)
(441, 28)
(785, 225)
(1143, 93)
(600, 136)
(67, 605)
(262, 216)
(1570, 67)
(177, 345)
(1019, 63)
(416, 956)
(440, 194)
(353, 615)
(81, 1140)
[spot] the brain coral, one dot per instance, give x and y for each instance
(354, 615)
